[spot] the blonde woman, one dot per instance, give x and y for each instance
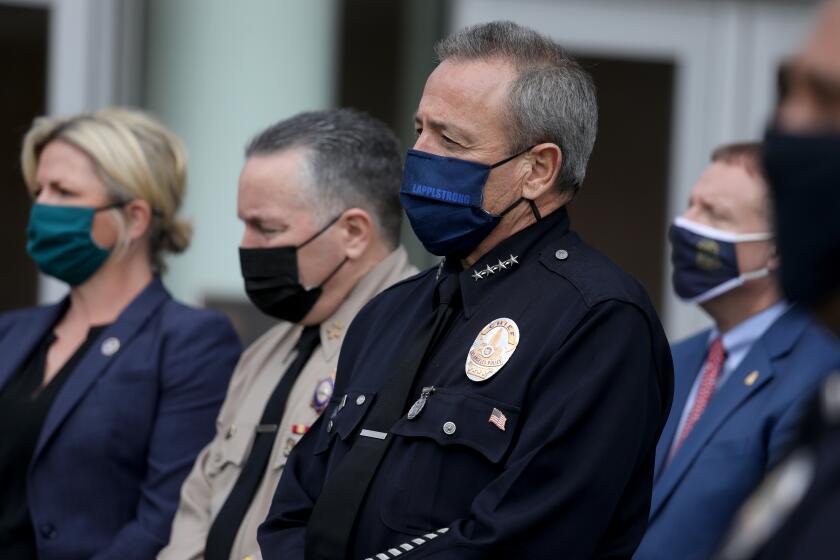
(106, 397)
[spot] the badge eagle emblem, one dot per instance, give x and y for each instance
(492, 349)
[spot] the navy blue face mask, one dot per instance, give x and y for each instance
(803, 171)
(443, 197)
(705, 262)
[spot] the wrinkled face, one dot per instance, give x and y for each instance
(462, 115)
(274, 205)
(729, 198)
(810, 82)
(66, 177)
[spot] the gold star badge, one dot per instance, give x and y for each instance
(334, 330)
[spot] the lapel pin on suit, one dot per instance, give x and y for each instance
(750, 379)
(110, 346)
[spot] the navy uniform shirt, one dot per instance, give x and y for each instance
(584, 396)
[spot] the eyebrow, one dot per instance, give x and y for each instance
(446, 126)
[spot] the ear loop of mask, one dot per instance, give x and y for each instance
(122, 240)
(534, 209)
(337, 268)
(511, 158)
(320, 231)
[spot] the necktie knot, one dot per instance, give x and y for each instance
(449, 291)
(717, 352)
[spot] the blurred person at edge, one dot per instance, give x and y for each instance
(319, 197)
(740, 387)
(107, 396)
(795, 513)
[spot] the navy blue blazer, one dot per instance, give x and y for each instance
(125, 428)
(746, 429)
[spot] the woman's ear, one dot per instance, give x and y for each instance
(139, 218)
(357, 232)
(545, 162)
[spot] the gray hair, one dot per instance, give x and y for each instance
(354, 161)
(551, 100)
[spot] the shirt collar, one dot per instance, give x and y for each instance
(389, 270)
(743, 335)
(504, 260)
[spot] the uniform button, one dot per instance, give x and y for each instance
(48, 531)
(231, 431)
(329, 426)
(360, 400)
(449, 428)
(561, 254)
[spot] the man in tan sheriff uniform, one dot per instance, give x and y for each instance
(318, 195)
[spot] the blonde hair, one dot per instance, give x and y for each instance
(135, 156)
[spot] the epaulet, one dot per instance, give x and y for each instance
(592, 274)
(411, 279)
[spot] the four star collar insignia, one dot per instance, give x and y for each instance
(492, 349)
(490, 269)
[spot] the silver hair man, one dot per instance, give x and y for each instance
(551, 100)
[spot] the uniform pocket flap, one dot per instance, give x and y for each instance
(233, 448)
(342, 417)
(454, 418)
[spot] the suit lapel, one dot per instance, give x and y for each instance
(100, 355)
(19, 344)
(691, 359)
(754, 372)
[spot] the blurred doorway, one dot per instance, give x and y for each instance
(24, 38)
(387, 51)
(621, 206)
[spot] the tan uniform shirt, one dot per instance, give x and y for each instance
(258, 372)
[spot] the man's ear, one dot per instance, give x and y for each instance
(545, 161)
(139, 215)
(357, 232)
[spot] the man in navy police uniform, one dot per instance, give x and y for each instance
(507, 403)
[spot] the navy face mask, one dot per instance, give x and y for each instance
(443, 197)
(705, 262)
(804, 176)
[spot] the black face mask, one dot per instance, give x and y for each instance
(272, 281)
(804, 176)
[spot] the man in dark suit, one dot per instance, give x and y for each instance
(741, 385)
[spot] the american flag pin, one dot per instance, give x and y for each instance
(498, 419)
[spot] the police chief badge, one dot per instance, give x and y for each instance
(492, 348)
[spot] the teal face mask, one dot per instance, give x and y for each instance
(60, 241)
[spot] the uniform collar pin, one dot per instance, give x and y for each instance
(490, 269)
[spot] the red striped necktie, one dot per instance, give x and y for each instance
(708, 383)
